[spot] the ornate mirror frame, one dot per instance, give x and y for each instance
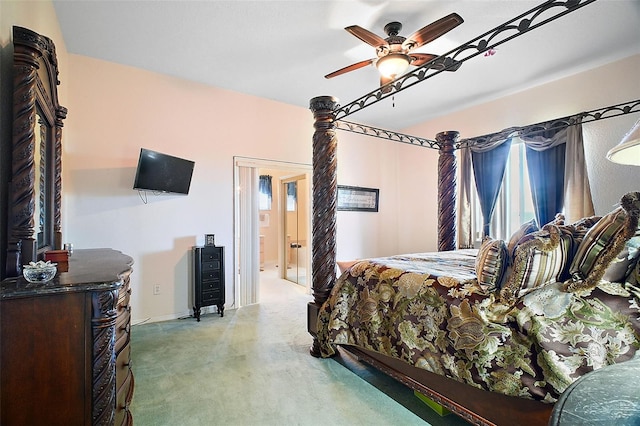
(36, 175)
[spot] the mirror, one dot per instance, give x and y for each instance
(35, 188)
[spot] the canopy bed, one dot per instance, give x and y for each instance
(470, 337)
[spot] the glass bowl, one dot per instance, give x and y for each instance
(39, 272)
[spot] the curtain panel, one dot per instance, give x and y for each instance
(465, 237)
(488, 167)
(265, 190)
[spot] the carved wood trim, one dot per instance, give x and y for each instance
(103, 321)
(325, 194)
(447, 170)
(35, 84)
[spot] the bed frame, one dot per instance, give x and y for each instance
(474, 405)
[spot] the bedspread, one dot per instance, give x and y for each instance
(428, 310)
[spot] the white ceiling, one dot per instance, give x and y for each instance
(281, 50)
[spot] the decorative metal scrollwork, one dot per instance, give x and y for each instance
(534, 18)
(363, 129)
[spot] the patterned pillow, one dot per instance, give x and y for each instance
(541, 258)
(603, 242)
(580, 228)
(525, 228)
(491, 262)
(621, 266)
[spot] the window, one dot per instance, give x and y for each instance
(515, 203)
(264, 188)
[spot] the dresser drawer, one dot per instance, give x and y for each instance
(210, 285)
(124, 395)
(211, 275)
(123, 331)
(123, 366)
(211, 266)
(211, 254)
(124, 296)
(211, 296)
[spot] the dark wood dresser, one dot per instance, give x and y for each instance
(208, 278)
(65, 345)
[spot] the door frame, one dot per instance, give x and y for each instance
(239, 235)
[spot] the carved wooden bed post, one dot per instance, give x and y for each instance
(325, 192)
(447, 191)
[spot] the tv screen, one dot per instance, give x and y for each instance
(163, 173)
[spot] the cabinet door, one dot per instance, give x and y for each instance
(46, 364)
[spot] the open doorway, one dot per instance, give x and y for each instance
(255, 242)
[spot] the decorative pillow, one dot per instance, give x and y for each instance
(491, 262)
(603, 242)
(622, 265)
(586, 222)
(541, 258)
(525, 228)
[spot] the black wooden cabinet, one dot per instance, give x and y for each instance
(208, 278)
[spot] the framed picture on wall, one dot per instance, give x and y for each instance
(355, 198)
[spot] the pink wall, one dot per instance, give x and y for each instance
(115, 111)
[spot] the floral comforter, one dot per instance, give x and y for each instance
(428, 310)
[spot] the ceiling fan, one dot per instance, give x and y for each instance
(394, 53)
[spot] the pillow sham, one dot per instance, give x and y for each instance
(491, 263)
(541, 258)
(525, 229)
(621, 265)
(602, 243)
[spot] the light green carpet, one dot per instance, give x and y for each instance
(252, 367)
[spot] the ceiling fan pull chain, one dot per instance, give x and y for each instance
(393, 101)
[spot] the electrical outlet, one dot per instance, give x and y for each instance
(156, 289)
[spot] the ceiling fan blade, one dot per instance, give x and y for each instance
(367, 36)
(384, 80)
(418, 59)
(351, 67)
(432, 31)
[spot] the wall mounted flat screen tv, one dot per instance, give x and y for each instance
(160, 172)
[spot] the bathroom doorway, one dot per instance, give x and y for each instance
(259, 236)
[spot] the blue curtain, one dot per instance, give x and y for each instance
(264, 188)
(546, 163)
(488, 169)
(292, 195)
(546, 178)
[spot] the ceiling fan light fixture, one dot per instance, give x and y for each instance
(628, 150)
(393, 64)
